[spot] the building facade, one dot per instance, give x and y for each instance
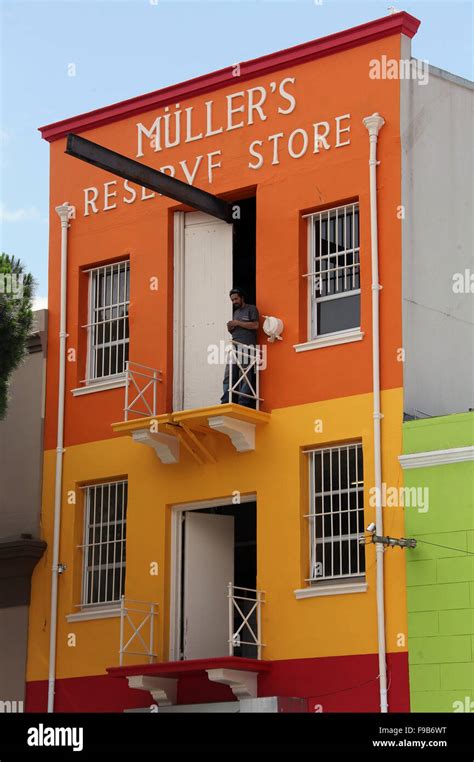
(232, 539)
(21, 547)
(438, 459)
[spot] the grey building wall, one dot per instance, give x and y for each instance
(437, 242)
(21, 459)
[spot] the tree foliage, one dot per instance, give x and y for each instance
(16, 320)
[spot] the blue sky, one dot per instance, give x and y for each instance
(121, 48)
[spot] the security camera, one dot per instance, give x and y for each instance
(371, 527)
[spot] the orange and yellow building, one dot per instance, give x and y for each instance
(178, 502)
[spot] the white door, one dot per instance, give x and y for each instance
(208, 568)
(207, 281)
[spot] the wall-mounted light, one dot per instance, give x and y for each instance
(273, 327)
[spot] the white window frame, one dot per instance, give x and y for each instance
(92, 551)
(123, 270)
(312, 274)
(322, 491)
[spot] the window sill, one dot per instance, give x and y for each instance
(317, 591)
(100, 386)
(107, 612)
(330, 340)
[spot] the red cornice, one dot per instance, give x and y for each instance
(397, 23)
(191, 667)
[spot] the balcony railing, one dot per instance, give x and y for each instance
(140, 389)
(245, 620)
(244, 363)
(137, 626)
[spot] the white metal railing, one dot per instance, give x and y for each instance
(244, 363)
(245, 618)
(142, 381)
(147, 613)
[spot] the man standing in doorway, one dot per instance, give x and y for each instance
(243, 328)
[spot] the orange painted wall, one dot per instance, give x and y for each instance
(328, 87)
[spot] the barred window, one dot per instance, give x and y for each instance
(334, 276)
(104, 543)
(336, 518)
(109, 297)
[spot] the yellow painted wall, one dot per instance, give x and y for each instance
(316, 627)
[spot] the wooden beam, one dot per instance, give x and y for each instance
(199, 444)
(177, 432)
(150, 178)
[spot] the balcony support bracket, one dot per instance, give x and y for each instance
(163, 689)
(166, 446)
(242, 684)
(240, 433)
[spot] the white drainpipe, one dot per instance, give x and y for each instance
(63, 211)
(373, 124)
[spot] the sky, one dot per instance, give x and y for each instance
(117, 49)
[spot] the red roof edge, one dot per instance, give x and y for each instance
(396, 23)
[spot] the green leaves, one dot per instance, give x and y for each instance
(16, 320)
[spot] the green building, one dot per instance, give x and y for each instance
(438, 462)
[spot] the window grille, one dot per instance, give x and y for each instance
(334, 277)
(336, 518)
(104, 543)
(108, 329)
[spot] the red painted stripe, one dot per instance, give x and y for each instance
(330, 684)
(397, 23)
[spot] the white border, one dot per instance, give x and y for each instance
(87, 614)
(330, 340)
(436, 457)
(317, 591)
(92, 387)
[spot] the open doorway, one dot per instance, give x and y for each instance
(244, 248)
(216, 557)
(210, 258)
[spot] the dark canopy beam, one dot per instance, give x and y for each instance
(148, 177)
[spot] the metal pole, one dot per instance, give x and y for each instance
(63, 212)
(259, 625)
(373, 124)
(231, 620)
(257, 377)
(152, 607)
(122, 610)
(127, 379)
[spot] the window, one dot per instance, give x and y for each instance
(334, 270)
(109, 296)
(104, 543)
(336, 518)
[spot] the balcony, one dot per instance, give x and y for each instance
(238, 670)
(137, 629)
(193, 429)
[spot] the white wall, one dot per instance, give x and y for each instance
(437, 240)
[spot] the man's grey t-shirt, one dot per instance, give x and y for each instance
(247, 313)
